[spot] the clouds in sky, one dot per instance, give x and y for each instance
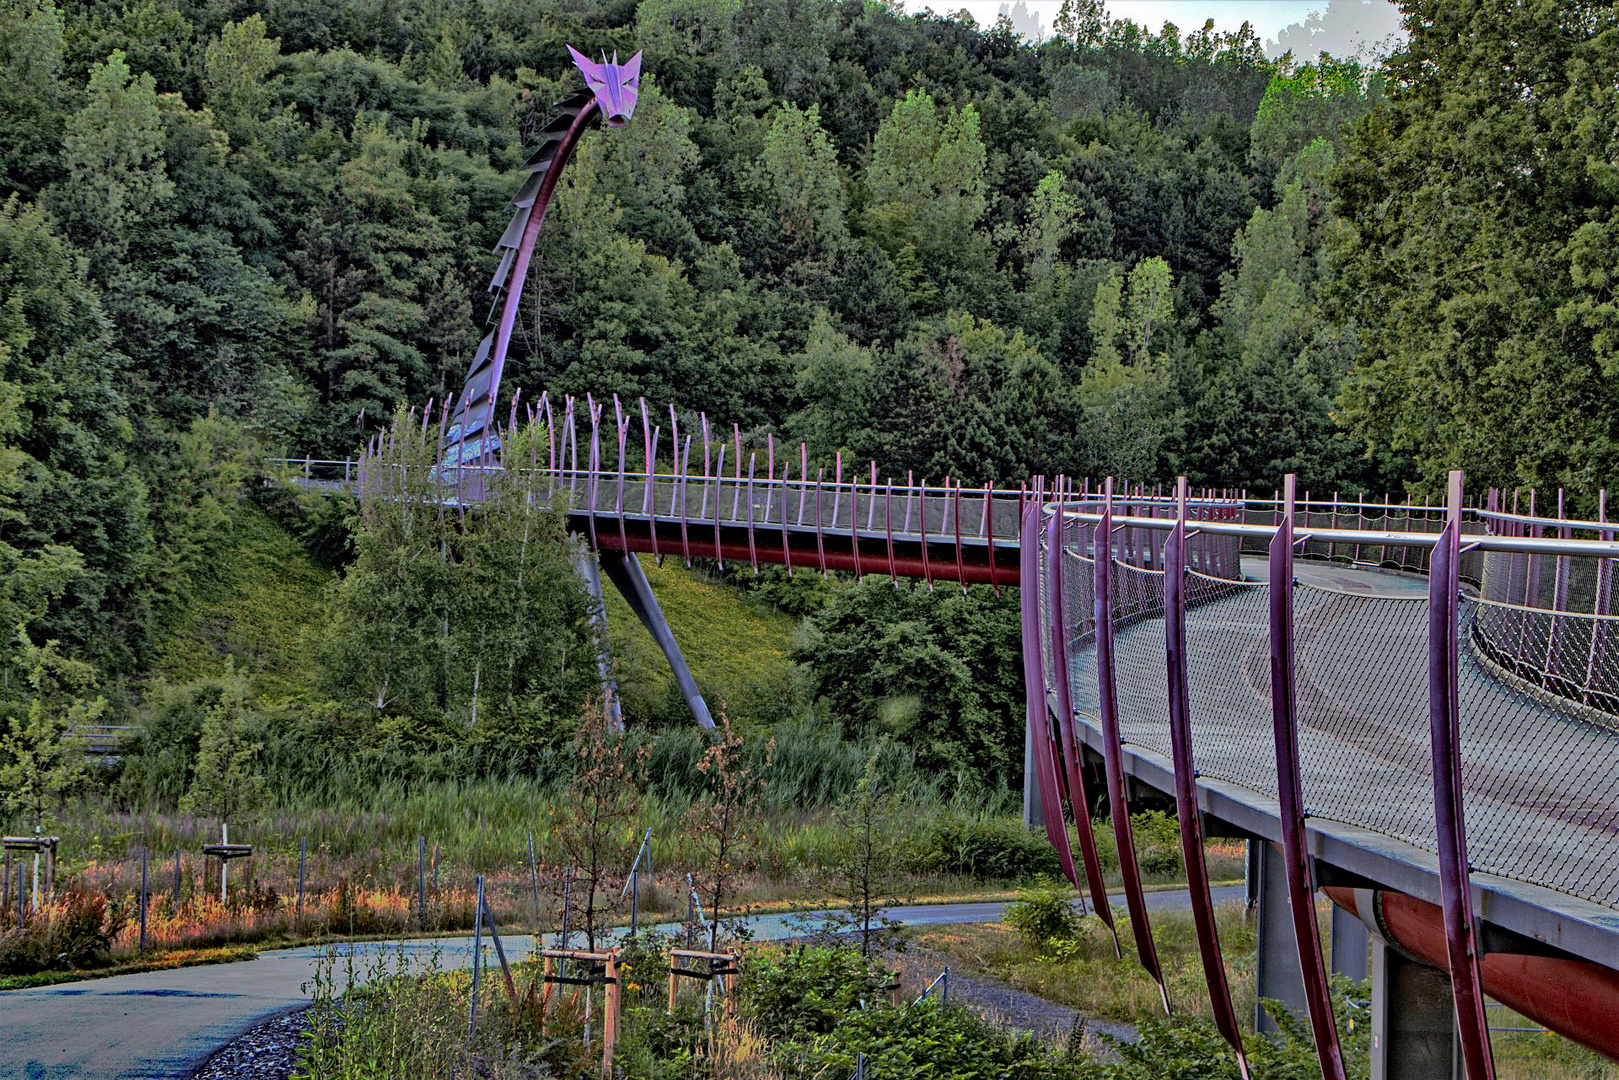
(1360, 28)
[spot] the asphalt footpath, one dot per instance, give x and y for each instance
(165, 1024)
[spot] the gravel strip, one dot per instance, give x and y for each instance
(1013, 1009)
(264, 1052)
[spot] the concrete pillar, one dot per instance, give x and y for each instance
(1276, 968)
(1351, 945)
(1031, 784)
(1413, 1019)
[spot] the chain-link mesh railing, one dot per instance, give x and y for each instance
(1540, 742)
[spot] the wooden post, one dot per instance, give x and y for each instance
(610, 1010)
(672, 978)
(143, 897)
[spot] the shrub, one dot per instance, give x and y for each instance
(998, 850)
(939, 1043)
(1158, 842)
(806, 992)
(1043, 913)
(74, 931)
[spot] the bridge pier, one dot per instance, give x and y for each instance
(1413, 1019)
(1276, 965)
(624, 571)
(1351, 945)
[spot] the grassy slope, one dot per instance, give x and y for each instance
(737, 648)
(258, 610)
(269, 592)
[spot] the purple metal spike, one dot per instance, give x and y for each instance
(682, 481)
(651, 439)
(1079, 799)
(820, 537)
(786, 548)
(1445, 736)
(837, 486)
(1034, 687)
(961, 568)
(1191, 819)
(753, 550)
(1290, 795)
(736, 491)
(622, 424)
(649, 503)
(708, 467)
(888, 519)
(1112, 757)
(616, 86)
(719, 473)
(803, 480)
(871, 503)
(674, 451)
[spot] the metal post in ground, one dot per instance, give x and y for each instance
(224, 863)
(421, 883)
(302, 852)
(143, 897)
(533, 877)
(635, 897)
(477, 960)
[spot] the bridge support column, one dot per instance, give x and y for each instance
(1413, 1019)
(1351, 944)
(624, 571)
(1276, 968)
(1031, 784)
(584, 563)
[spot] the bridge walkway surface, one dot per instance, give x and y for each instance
(160, 1025)
(1541, 778)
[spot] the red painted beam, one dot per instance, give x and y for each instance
(977, 572)
(1576, 999)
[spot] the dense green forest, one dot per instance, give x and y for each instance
(232, 230)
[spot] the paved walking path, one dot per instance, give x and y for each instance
(165, 1024)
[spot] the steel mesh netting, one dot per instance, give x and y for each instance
(1540, 769)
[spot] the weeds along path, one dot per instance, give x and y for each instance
(159, 1025)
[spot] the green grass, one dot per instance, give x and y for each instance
(736, 645)
(257, 609)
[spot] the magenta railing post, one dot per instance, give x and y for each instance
(1559, 597)
(1079, 802)
(736, 491)
(683, 481)
(1191, 820)
(1034, 684)
(1290, 796)
(837, 489)
(786, 548)
(753, 550)
(927, 567)
(888, 524)
(719, 474)
(803, 480)
(1444, 732)
(595, 466)
(910, 489)
(820, 536)
(708, 467)
(1600, 603)
(961, 568)
(871, 503)
(989, 543)
(622, 423)
(1112, 755)
(649, 504)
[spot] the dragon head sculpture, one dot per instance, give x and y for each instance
(615, 85)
